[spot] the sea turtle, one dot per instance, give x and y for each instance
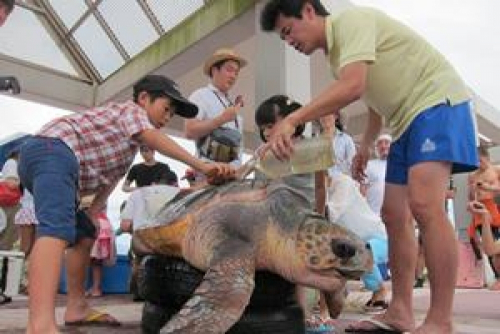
(230, 231)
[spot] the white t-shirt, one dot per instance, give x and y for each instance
(211, 103)
(144, 203)
(348, 208)
(9, 170)
(375, 183)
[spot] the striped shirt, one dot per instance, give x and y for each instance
(103, 141)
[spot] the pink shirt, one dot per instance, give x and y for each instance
(102, 140)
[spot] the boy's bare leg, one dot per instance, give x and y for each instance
(427, 187)
(77, 263)
(43, 289)
(96, 290)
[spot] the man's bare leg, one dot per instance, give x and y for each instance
(402, 256)
(402, 259)
(427, 187)
(43, 288)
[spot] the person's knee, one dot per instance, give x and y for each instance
(425, 211)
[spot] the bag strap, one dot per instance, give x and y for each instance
(227, 106)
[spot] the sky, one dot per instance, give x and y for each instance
(465, 31)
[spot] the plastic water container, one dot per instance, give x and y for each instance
(309, 155)
(14, 262)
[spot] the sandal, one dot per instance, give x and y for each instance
(375, 306)
(315, 325)
(4, 299)
(95, 318)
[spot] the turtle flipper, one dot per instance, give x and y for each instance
(221, 298)
(335, 301)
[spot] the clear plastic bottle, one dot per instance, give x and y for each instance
(309, 155)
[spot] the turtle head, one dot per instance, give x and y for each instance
(325, 247)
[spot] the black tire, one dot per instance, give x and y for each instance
(168, 281)
(154, 317)
(171, 281)
(287, 320)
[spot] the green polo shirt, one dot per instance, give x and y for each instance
(406, 75)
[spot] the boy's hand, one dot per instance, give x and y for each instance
(477, 207)
(218, 173)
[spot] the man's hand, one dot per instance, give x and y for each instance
(218, 173)
(281, 139)
(239, 101)
(359, 163)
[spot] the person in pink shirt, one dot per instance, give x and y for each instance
(87, 153)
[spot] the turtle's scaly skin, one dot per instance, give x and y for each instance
(232, 230)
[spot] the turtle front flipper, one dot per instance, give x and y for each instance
(335, 301)
(220, 300)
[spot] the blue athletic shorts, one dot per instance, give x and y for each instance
(440, 133)
(49, 170)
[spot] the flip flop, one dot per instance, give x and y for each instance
(378, 328)
(95, 318)
(375, 307)
(4, 299)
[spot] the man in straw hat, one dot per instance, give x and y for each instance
(217, 110)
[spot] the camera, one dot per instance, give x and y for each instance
(10, 84)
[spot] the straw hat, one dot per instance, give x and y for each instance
(222, 54)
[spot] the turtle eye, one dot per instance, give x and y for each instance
(343, 249)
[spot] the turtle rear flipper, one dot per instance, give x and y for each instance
(220, 300)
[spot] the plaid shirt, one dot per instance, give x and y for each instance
(102, 140)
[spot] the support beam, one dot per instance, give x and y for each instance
(41, 85)
(209, 18)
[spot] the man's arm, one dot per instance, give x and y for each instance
(349, 87)
(360, 160)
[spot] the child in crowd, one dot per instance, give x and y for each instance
(25, 221)
(489, 243)
(103, 253)
(87, 153)
(312, 185)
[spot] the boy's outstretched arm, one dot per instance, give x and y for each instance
(161, 142)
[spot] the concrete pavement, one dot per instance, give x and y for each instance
(476, 311)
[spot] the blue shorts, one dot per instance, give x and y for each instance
(49, 170)
(440, 133)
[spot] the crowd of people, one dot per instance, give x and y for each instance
(382, 189)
